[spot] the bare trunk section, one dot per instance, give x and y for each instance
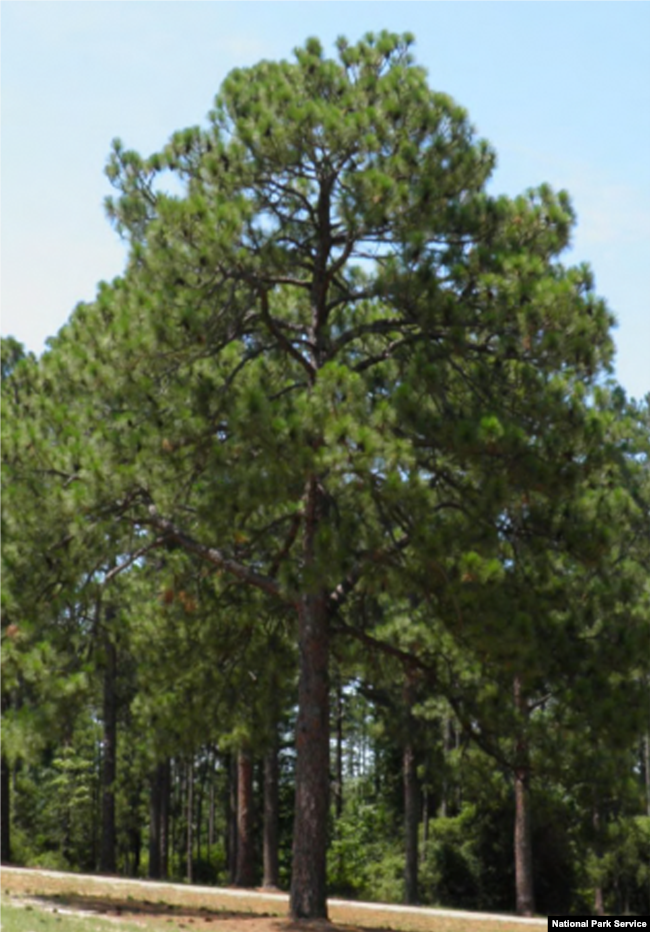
(231, 828)
(308, 898)
(425, 823)
(189, 873)
(165, 802)
(245, 871)
(646, 769)
(271, 816)
(308, 879)
(410, 825)
(158, 817)
(5, 806)
(525, 895)
(411, 802)
(107, 863)
(599, 900)
(447, 747)
(211, 811)
(338, 784)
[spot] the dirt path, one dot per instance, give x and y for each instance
(228, 909)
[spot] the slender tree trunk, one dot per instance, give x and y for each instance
(599, 900)
(245, 874)
(135, 844)
(199, 811)
(107, 863)
(411, 796)
(646, 769)
(159, 785)
(271, 868)
(165, 801)
(523, 826)
(338, 785)
(212, 807)
(425, 823)
(190, 821)
(5, 810)
(447, 746)
(175, 809)
(231, 839)
(410, 825)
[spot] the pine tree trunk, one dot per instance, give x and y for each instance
(523, 845)
(231, 835)
(599, 900)
(5, 810)
(271, 816)
(646, 768)
(199, 812)
(165, 799)
(410, 825)
(108, 863)
(189, 858)
(245, 873)
(211, 810)
(308, 898)
(525, 895)
(338, 785)
(425, 823)
(135, 844)
(411, 797)
(447, 746)
(159, 784)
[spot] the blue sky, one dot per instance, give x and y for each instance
(561, 90)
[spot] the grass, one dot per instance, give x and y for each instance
(32, 918)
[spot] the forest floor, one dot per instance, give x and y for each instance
(156, 906)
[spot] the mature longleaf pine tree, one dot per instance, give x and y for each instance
(327, 353)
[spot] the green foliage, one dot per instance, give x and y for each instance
(363, 861)
(623, 870)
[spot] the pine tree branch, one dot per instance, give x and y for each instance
(172, 533)
(158, 542)
(282, 339)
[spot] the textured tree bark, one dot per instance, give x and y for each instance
(308, 898)
(599, 900)
(646, 769)
(165, 794)
(338, 785)
(410, 825)
(271, 868)
(159, 784)
(107, 863)
(189, 872)
(447, 747)
(425, 824)
(5, 808)
(245, 873)
(411, 797)
(231, 828)
(525, 894)
(523, 845)
(154, 827)
(211, 811)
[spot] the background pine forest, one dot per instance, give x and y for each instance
(326, 532)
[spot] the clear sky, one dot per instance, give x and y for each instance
(561, 90)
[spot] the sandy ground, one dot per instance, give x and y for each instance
(154, 905)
